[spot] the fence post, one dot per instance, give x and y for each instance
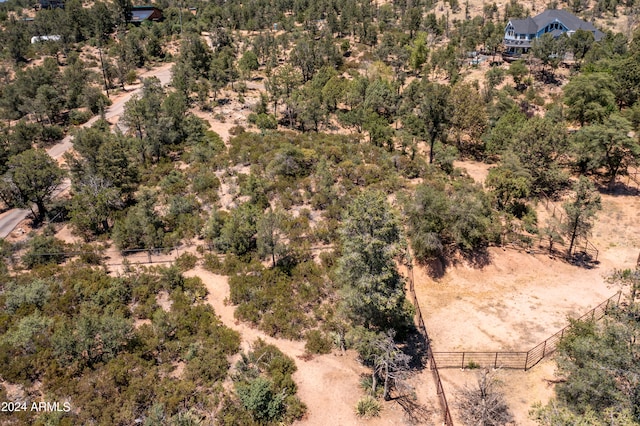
(526, 361)
(544, 349)
(606, 307)
(495, 363)
(463, 360)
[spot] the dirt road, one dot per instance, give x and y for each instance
(11, 218)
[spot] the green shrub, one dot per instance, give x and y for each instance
(208, 365)
(284, 321)
(204, 180)
(212, 263)
(472, 365)
(233, 265)
(328, 258)
(44, 250)
(237, 235)
(368, 407)
(260, 400)
(265, 385)
(173, 183)
(233, 413)
(35, 293)
(186, 261)
(77, 117)
(317, 343)
(50, 135)
(236, 130)
(90, 254)
(140, 228)
(296, 409)
(265, 297)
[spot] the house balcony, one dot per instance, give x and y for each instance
(517, 43)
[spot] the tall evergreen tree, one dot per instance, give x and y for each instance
(581, 211)
(373, 290)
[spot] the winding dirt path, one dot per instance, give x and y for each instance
(327, 384)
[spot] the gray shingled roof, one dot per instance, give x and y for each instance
(524, 26)
(556, 33)
(572, 22)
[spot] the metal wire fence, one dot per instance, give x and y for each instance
(539, 244)
(519, 360)
(442, 397)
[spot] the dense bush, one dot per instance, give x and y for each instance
(265, 296)
(44, 249)
(140, 228)
(186, 261)
(74, 333)
(265, 388)
(77, 117)
(448, 217)
(317, 343)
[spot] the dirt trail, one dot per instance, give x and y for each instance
(328, 384)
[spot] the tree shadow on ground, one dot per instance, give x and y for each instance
(437, 267)
(416, 346)
(415, 413)
(548, 76)
(619, 189)
(583, 260)
(478, 258)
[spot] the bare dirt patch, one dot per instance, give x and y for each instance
(536, 382)
(477, 170)
(510, 305)
(520, 299)
(178, 369)
(328, 384)
(65, 234)
(140, 322)
(163, 300)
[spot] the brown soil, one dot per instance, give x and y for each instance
(328, 384)
(521, 388)
(519, 299)
(65, 234)
(163, 300)
(477, 170)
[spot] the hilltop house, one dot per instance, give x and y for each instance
(145, 13)
(50, 4)
(519, 33)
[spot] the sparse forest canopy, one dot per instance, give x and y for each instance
(341, 123)
(598, 363)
